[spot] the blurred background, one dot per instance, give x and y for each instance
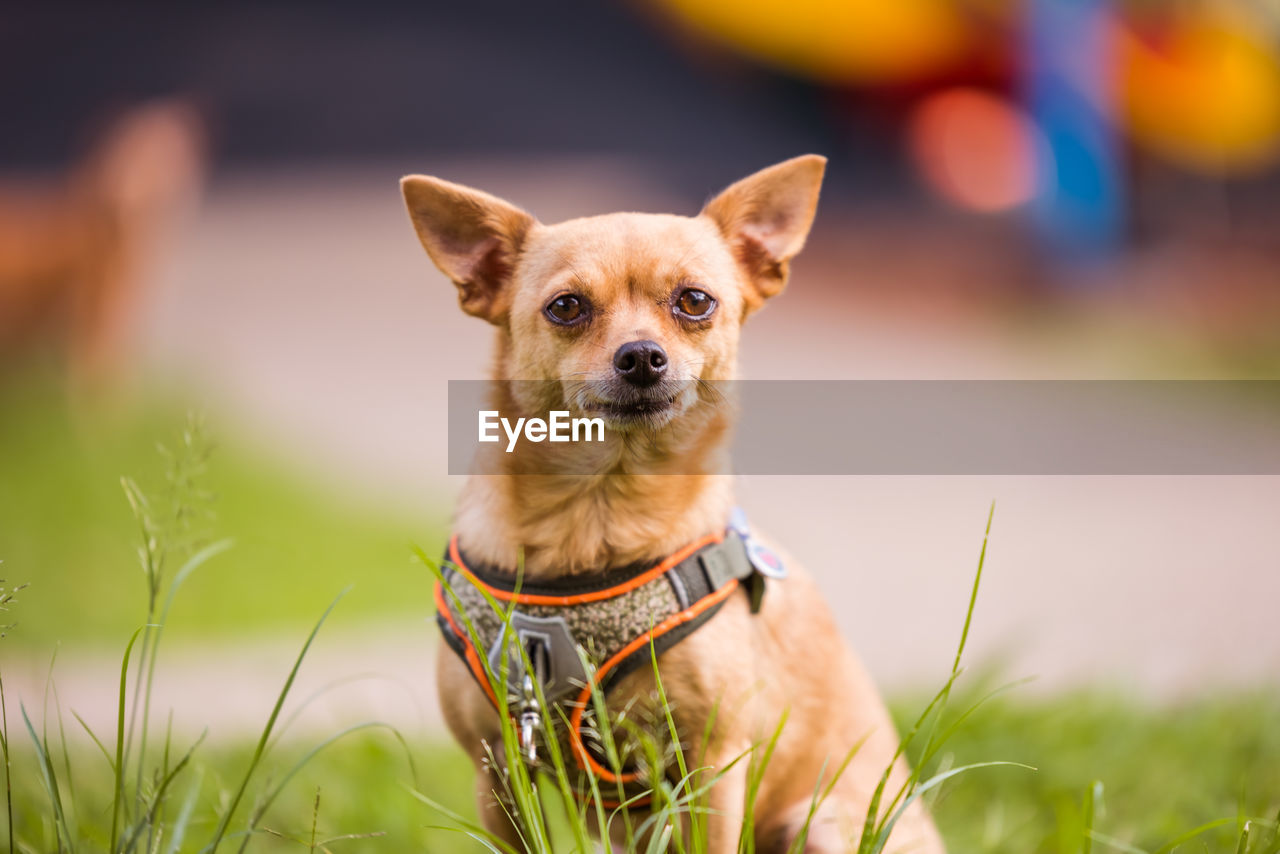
(199, 210)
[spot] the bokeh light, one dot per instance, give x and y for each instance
(840, 41)
(1203, 92)
(974, 149)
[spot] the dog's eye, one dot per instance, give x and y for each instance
(566, 309)
(695, 303)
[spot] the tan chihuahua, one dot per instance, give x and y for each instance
(621, 313)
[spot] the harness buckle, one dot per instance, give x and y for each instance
(530, 721)
(552, 651)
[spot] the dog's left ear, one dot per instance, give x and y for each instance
(766, 217)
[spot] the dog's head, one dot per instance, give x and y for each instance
(625, 312)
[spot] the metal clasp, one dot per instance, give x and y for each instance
(530, 721)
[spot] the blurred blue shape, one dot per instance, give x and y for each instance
(1079, 205)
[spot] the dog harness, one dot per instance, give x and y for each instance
(611, 616)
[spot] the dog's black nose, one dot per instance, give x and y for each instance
(641, 363)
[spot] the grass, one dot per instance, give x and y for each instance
(362, 783)
(1164, 769)
(1113, 773)
(1200, 749)
(142, 790)
(1204, 752)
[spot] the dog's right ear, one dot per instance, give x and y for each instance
(472, 237)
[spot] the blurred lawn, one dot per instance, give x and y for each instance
(67, 530)
(1165, 769)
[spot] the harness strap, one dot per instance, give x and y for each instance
(575, 590)
(691, 585)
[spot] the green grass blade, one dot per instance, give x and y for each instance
(477, 836)
(1117, 844)
(939, 702)
(973, 593)
(658, 842)
(260, 749)
(820, 797)
(117, 803)
(147, 821)
(1192, 834)
(70, 786)
(101, 747)
(933, 782)
(178, 831)
(50, 779)
(464, 826)
(695, 833)
(265, 804)
(311, 699)
(755, 776)
(1092, 798)
(955, 725)
(8, 779)
(152, 644)
(1243, 845)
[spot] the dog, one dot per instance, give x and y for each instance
(73, 252)
(618, 316)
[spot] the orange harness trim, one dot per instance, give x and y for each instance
(580, 705)
(471, 658)
(581, 598)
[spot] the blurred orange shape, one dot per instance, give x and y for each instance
(974, 149)
(838, 41)
(1206, 94)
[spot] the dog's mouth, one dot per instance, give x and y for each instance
(628, 409)
(651, 412)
